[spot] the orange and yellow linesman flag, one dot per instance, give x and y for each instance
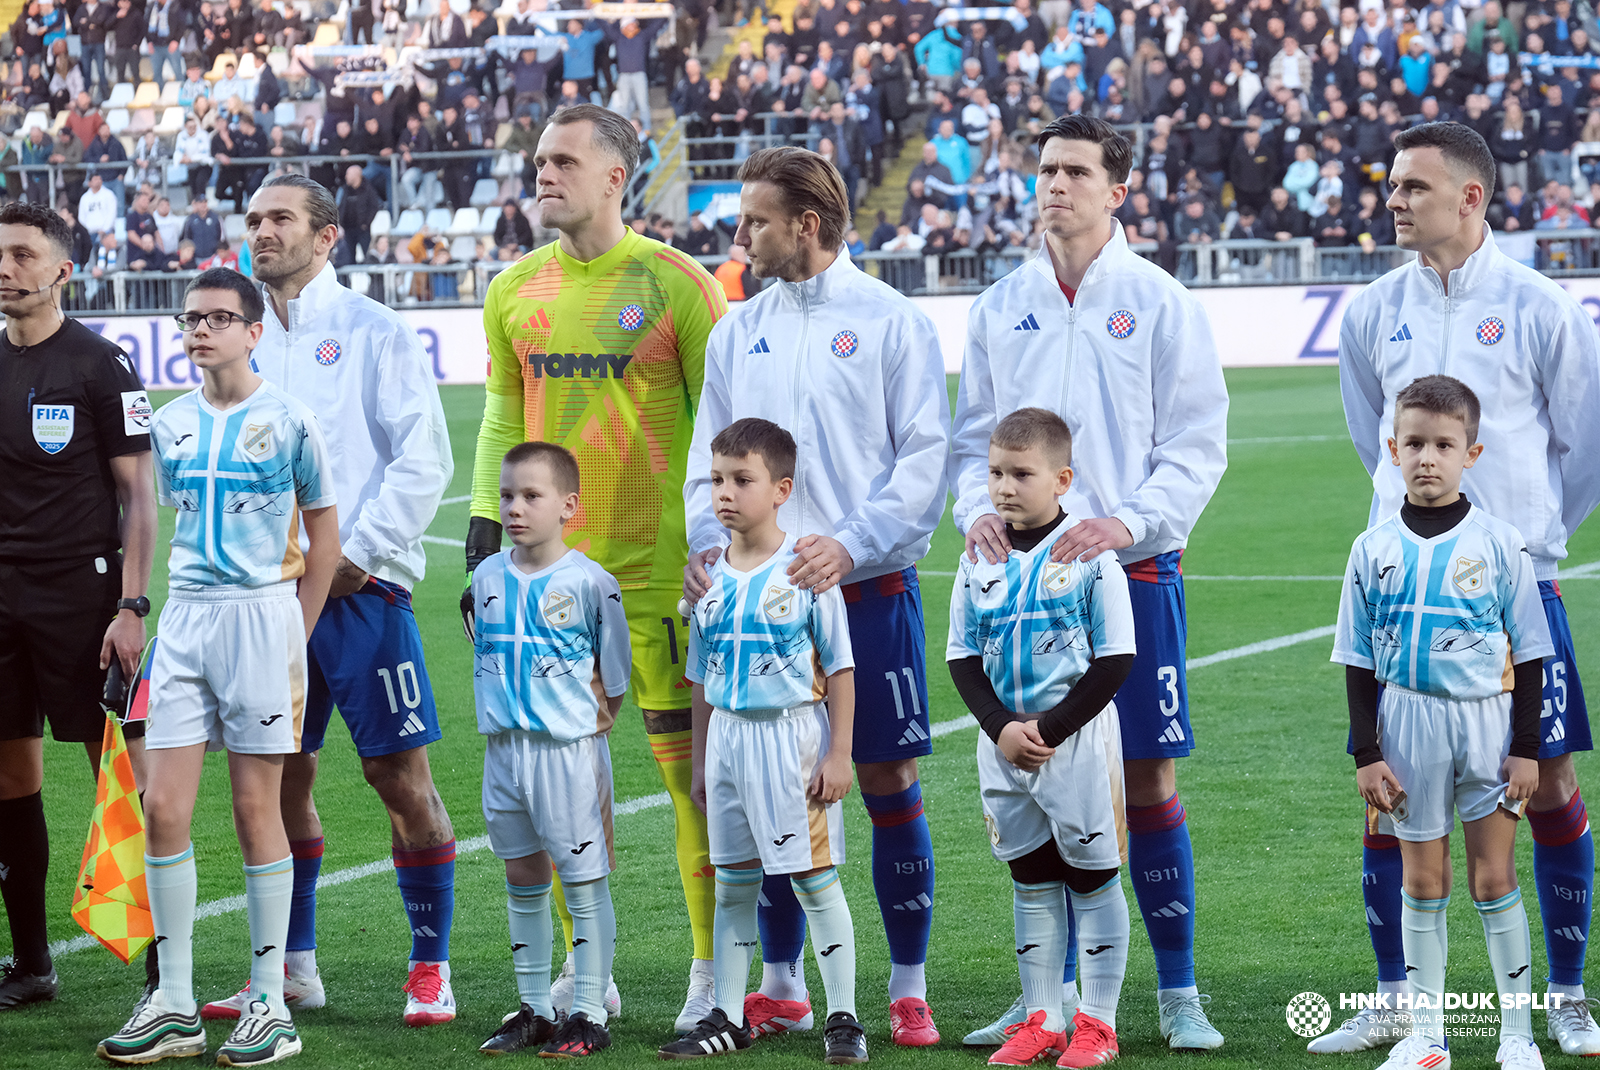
(110, 901)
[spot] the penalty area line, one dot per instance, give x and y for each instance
(234, 904)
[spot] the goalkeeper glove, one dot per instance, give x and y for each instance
(483, 541)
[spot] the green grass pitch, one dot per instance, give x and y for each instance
(1270, 793)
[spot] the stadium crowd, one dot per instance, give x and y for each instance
(149, 125)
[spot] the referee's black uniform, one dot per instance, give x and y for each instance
(67, 407)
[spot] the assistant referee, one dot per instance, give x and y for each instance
(77, 533)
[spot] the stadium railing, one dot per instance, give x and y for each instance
(155, 293)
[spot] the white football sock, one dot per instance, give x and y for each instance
(528, 910)
(735, 935)
(784, 980)
(1040, 912)
(1505, 928)
(268, 890)
(833, 936)
(172, 885)
(1427, 948)
(594, 945)
(1102, 917)
(907, 981)
(301, 964)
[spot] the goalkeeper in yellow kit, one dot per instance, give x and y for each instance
(597, 343)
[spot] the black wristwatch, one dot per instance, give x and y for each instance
(140, 605)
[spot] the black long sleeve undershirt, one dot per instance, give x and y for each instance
(1091, 694)
(1361, 685)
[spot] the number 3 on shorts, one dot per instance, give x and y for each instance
(1168, 675)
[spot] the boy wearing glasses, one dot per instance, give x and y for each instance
(243, 463)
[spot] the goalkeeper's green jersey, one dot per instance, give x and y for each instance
(607, 359)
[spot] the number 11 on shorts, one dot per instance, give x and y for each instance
(911, 689)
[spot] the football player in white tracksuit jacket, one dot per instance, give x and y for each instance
(1123, 353)
(1530, 353)
(361, 369)
(852, 369)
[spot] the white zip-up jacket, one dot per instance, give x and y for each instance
(361, 369)
(197, 148)
(1530, 353)
(1130, 365)
(852, 369)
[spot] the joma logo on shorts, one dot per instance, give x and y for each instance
(573, 365)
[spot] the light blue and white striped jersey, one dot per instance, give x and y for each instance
(551, 647)
(1038, 623)
(758, 642)
(1445, 616)
(239, 478)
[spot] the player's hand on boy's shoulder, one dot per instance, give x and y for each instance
(1522, 777)
(1023, 746)
(1088, 538)
(832, 780)
(697, 573)
(820, 563)
(988, 534)
(1377, 785)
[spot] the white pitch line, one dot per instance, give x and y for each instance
(233, 904)
(457, 500)
(1283, 438)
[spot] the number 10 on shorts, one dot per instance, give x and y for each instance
(410, 692)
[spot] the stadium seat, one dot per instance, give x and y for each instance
(380, 223)
(121, 229)
(216, 70)
(146, 95)
(233, 227)
(464, 222)
(121, 95)
(140, 120)
(439, 220)
(409, 223)
(247, 66)
(464, 248)
(327, 35)
(278, 60)
(359, 281)
(505, 165)
(169, 94)
(39, 119)
(284, 113)
(171, 122)
(485, 193)
(59, 121)
(128, 143)
(486, 222)
(117, 120)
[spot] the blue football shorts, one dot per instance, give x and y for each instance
(887, 637)
(1153, 703)
(1564, 721)
(365, 657)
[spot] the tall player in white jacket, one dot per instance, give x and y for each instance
(853, 370)
(1530, 353)
(1113, 345)
(360, 368)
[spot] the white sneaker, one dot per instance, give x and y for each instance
(299, 994)
(995, 1033)
(561, 993)
(1417, 1052)
(701, 1000)
(1519, 1053)
(429, 1000)
(1573, 1027)
(1368, 1029)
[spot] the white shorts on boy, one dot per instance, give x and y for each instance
(758, 766)
(1075, 797)
(229, 670)
(540, 794)
(1446, 754)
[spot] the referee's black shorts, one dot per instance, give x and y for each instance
(53, 620)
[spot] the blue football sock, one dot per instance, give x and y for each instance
(902, 871)
(782, 921)
(1563, 869)
(1161, 863)
(307, 856)
(1070, 973)
(1380, 888)
(427, 880)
